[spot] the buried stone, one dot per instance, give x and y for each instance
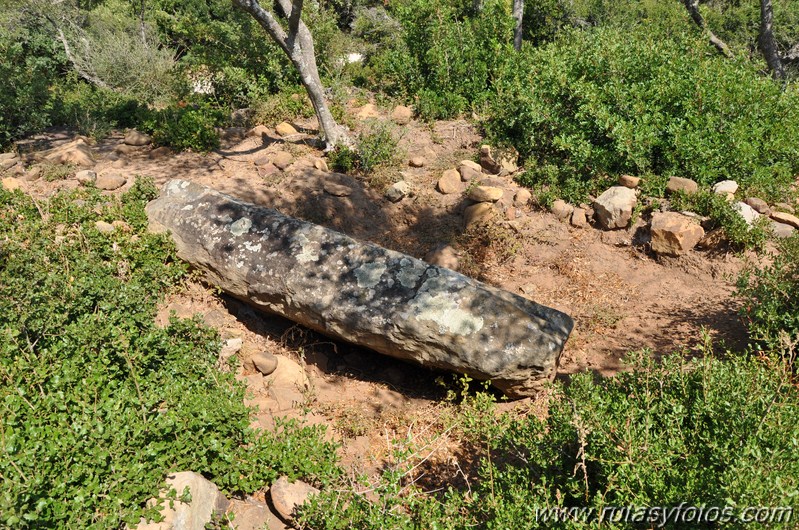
(362, 293)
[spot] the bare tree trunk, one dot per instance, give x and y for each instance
(298, 46)
(88, 76)
(518, 15)
(767, 42)
(792, 55)
(693, 9)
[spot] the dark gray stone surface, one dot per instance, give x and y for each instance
(362, 293)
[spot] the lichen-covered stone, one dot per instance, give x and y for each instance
(360, 292)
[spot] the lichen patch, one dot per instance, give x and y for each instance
(240, 227)
(369, 274)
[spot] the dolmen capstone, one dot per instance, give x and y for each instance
(362, 293)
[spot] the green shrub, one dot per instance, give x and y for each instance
(610, 101)
(97, 403)
(771, 299)
(186, 126)
(377, 146)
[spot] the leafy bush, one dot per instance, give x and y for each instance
(771, 299)
(186, 126)
(375, 148)
(610, 101)
(97, 403)
(706, 432)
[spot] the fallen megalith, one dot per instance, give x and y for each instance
(362, 293)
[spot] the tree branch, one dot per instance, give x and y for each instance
(91, 78)
(693, 9)
(266, 21)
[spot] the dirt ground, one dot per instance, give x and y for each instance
(621, 296)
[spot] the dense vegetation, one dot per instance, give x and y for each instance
(97, 403)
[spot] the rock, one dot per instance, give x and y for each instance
(104, 228)
(477, 214)
(125, 149)
(508, 163)
(758, 205)
(230, 348)
(285, 129)
(628, 181)
(287, 496)
(253, 515)
(417, 161)
(135, 138)
(781, 230)
(360, 292)
(614, 207)
(321, 165)
(747, 212)
(487, 161)
(265, 362)
(786, 218)
(33, 173)
(782, 207)
(684, 185)
(121, 225)
(398, 191)
(260, 131)
(450, 182)
(8, 156)
(522, 197)
(11, 184)
(337, 190)
(485, 194)
(443, 256)
(206, 499)
(562, 210)
(110, 182)
(76, 153)
(579, 219)
(471, 164)
(401, 115)
(287, 384)
(87, 176)
(282, 159)
(368, 111)
(469, 173)
(725, 187)
(160, 152)
(674, 234)
(7, 164)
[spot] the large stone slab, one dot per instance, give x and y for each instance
(360, 292)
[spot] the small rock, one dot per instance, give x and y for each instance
(7, 156)
(76, 153)
(87, 176)
(450, 182)
(747, 212)
(417, 161)
(443, 256)
(119, 164)
(471, 164)
(121, 225)
(781, 230)
(282, 159)
(724, 187)
(368, 111)
(337, 190)
(674, 234)
(477, 214)
(684, 185)
(469, 172)
(260, 131)
(508, 163)
(398, 191)
(614, 207)
(110, 182)
(758, 205)
(103, 227)
(579, 219)
(33, 173)
(265, 362)
(562, 210)
(125, 149)
(262, 160)
(7, 164)
(11, 183)
(786, 218)
(401, 115)
(522, 197)
(783, 207)
(285, 129)
(628, 181)
(321, 165)
(230, 348)
(206, 499)
(160, 152)
(287, 496)
(136, 138)
(487, 161)
(485, 194)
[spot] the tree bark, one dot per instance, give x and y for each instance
(298, 46)
(693, 9)
(518, 15)
(767, 42)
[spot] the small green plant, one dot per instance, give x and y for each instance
(377, 146)
(52, 172)
(186, 126)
